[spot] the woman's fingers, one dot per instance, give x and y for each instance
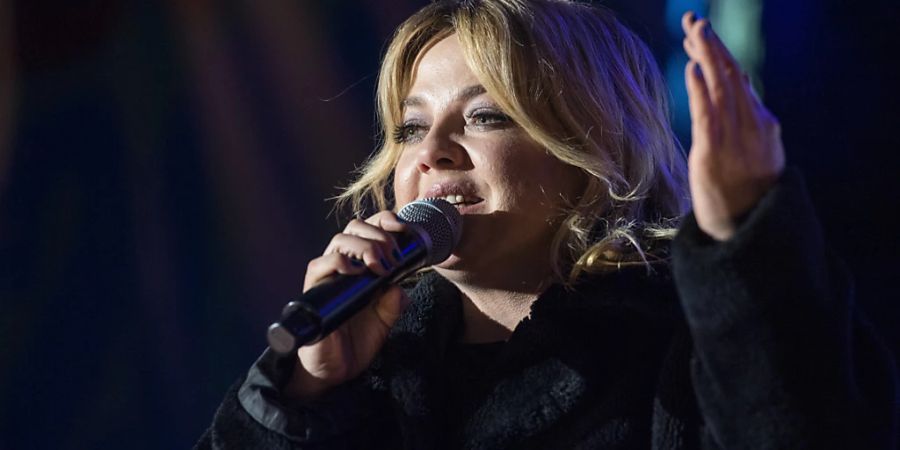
(381, 238)
(701, 47)
(728, 86)
(745, 102)
(387, 221)
(687, 20)
(362, 244)
(379, 228)
(327, 265)
(372, 253)
(700, 106)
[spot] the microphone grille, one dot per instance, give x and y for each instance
(440, 220)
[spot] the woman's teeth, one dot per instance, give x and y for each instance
(456, 199)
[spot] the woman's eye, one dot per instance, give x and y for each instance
(489, 118)
(412, 132)
(408, 132)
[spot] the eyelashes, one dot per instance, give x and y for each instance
(485, 118)
(406, 132)
(412, 131)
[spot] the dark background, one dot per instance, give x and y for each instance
(164, 165)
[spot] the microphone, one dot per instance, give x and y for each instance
(435, 227)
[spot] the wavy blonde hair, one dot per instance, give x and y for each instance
(580, 84)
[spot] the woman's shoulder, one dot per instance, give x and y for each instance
(647, 289)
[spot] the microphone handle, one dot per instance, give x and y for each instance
(323, 308)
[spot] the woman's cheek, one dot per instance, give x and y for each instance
(404, 186)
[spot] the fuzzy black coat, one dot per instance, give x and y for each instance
(753, 343)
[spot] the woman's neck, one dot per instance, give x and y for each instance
(491, 316)
(498, 294)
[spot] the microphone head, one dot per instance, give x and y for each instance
(440, 221)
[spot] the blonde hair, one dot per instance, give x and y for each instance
(580, 84)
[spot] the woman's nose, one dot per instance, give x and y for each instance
(439, 150)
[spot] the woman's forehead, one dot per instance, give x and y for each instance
(441, 70)
(457, 95)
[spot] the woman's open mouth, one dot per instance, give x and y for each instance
(461, 200)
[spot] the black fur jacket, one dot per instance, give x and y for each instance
(753, 343)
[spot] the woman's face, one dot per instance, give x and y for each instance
(458, 144)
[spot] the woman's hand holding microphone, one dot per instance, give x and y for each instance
(349, 350)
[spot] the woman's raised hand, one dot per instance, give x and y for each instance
(350, 349)
(736, 154)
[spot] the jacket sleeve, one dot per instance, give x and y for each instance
(783, 359)
(254, 415)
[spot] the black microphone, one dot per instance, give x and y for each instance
(435, 227)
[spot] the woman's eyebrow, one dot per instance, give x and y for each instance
(463, 95)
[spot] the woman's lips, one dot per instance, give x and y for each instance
(457, 198)
(459, 193)
(464, 206)
(445, 188)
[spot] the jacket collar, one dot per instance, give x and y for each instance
(570, 349)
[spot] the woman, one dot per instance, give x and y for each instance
(556, 322)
